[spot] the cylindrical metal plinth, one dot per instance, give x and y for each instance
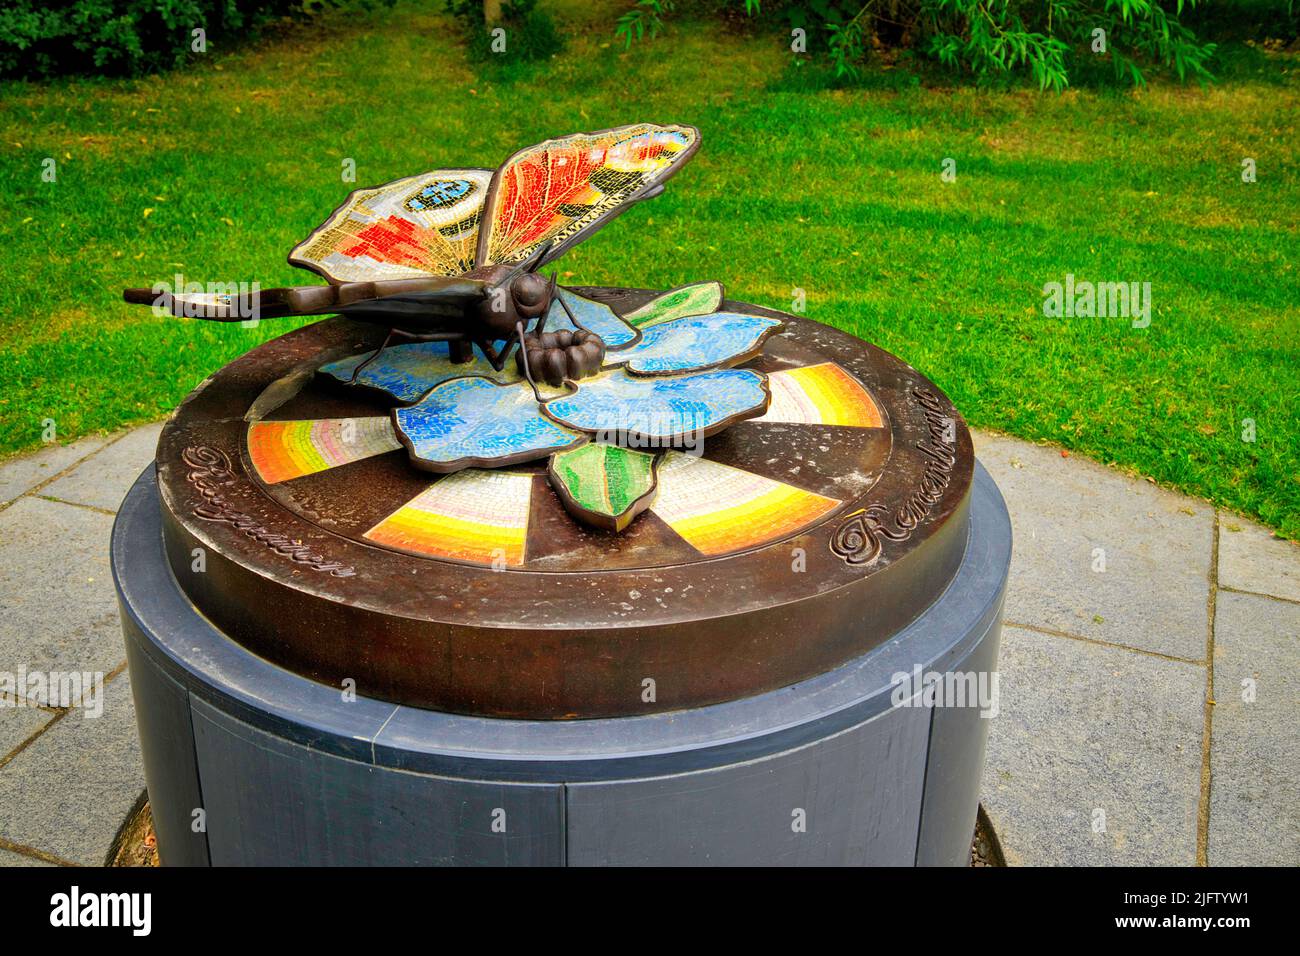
(249, 763)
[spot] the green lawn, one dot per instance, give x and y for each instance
(216, 172)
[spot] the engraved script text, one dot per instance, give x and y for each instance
(209, 470)
(859, 538)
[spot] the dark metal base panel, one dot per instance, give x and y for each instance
(247, 763)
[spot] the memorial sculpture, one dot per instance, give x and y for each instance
(548, 536)
(500, 366)
(452, 346)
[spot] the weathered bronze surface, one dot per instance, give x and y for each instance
(591, 617)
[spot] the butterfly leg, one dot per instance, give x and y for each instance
(455, 342)
(496, 359)
(523, 362)
(568, 312)
(462, 351)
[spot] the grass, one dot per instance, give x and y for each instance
(217, 171)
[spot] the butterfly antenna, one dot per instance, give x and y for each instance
(534, 262)
(379, 351)
(531, 263)
(567, 311)
(523, 360)
(546, 312)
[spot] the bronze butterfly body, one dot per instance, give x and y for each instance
(452, 255)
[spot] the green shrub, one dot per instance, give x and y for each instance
(1046, 39)
(42, 38)
(530, 32)
(1254, 20)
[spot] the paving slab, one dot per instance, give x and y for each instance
(17, 723)
(1254, 761)
(1251, 559)
(8, 858)
(20, 475)
(1073, 518)
(103, 480)
(70, 792)
(1085, 728)
(58, 609)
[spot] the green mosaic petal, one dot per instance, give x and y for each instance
(698, 299)
(603, 485)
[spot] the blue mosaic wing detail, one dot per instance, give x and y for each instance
(474, 421)
(596, 316)
(696, 342)
(619, 408)
(407, 372)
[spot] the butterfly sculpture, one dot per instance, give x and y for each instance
(448, 262)
(452, 255)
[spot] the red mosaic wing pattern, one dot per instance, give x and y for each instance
(417, 226)
(559, 190)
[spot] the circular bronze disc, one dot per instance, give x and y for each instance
(794, 543)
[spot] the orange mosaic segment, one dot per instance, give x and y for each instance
(476, 516)
(284, 450)
(822, 394)
(718, 509)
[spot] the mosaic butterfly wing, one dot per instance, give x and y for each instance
(422, 253)
(417, 226)
(559, 191)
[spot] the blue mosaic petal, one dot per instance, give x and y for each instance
(662, 412)
(596, 316)
(408, 371)
(696, 342)
(473, 421)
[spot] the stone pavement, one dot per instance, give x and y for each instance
(69, 775)
(1148, 672)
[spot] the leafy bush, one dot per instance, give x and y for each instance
(41, 38)
(1046, 39)
(530, 33)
